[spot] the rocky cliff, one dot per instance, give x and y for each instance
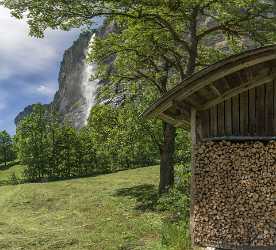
(76, 93)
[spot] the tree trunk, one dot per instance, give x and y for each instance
(167, 159)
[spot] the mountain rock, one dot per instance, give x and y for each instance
(77, 91)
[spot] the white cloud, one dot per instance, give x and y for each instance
(22, 54)
(28, 66)
(46, 90)
(39, 89)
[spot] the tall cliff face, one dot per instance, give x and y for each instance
(76, 93)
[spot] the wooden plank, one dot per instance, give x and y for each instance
(239, 89)
(222, 85)
(156, 109)
(241, 138)
(221, 130)
(260, 110)
(190, 89)
(209, 75)
(236, 115)
(214, 121)
(215, 90)
(269, 109)
(185, 125)
(177, 120)
(244, 113)
(205, 123)
(167, 118)
(228, 117)
(252, 112)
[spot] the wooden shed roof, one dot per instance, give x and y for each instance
(215, 84)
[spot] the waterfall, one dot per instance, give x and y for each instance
(89, 87)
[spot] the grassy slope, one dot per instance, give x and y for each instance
(103, 212)
(5, 174)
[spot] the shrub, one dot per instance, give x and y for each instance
(13, 179)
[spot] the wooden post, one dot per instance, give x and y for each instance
(194, 142)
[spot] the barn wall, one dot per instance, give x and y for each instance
(251, 113)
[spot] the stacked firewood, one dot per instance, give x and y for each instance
(235, 194)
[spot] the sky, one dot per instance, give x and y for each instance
(28, 66)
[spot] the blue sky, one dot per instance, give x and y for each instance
(28, 66)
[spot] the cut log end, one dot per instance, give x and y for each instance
(235, 194)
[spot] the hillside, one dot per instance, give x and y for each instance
(103, 212)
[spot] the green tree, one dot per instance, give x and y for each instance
(32, 143)
(163, 41)
(87, 153)
(66, 161)
(120, 139)
(6, 147)
(48, 148)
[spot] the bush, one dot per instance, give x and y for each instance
(13, 179)
(176, 236)
(176, 203)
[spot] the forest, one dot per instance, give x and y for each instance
(157, 45)
(114, 139)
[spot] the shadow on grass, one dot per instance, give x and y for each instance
(146, 196)
(22, 180)
(9, 165)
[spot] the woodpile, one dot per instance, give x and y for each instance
(235, 194)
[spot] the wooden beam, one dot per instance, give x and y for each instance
(252, 112)
(226, 83)
(183, 124)
(158, 110)
(215, 90)
(182, 120)
(244, 113)
(182, 107)
(193, 166)
(235, 91)
(241, 138)
(178, 123)
(167, 119)
(192, 88)
(209, 75)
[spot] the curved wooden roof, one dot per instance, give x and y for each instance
(215, 84)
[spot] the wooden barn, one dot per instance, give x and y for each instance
(230, 108)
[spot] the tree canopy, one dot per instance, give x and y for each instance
(6, 147)
(158, 43)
